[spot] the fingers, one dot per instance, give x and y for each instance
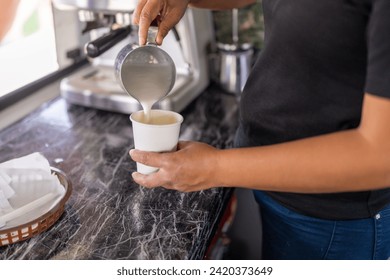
(137, 11)
(147, 181)
(151, 159)
(162, 32)
(176, 170)
(169, 20)
(144, 14)
(147, 158)
(170, 13)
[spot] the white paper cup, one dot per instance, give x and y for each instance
(161, 134)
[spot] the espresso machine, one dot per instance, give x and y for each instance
(101, 28)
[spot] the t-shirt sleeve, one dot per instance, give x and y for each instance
(378, 43)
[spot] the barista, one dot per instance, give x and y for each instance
(314, 138)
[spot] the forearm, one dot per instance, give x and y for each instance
(220, 4)
(337, 162)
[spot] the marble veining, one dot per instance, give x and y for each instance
(108, 216)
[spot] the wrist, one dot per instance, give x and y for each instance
(219, 170)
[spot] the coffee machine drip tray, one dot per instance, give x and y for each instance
(96, 87)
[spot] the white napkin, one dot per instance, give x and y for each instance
(5, 193)
(27, 189)
(5, 207)
(5, 180)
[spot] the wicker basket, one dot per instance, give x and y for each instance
(35, 227)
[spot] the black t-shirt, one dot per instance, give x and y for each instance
(318, 60)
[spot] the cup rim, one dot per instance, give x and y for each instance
(179, 117)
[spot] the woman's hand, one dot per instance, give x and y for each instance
(167, 12)
(193, 167)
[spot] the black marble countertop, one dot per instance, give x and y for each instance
(108, 216)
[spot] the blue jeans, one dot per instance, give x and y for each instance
(288, 235)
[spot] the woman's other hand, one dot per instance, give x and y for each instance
(193, 167)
